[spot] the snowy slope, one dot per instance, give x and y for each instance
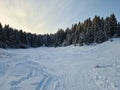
(64, 68)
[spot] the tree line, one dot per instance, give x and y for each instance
(97, 30)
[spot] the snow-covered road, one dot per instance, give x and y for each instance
(64, 68)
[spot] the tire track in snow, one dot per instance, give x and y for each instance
(14, 84)
(47, 83)
(50, 83)
(102, 81)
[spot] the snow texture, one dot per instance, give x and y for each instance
(95, 67)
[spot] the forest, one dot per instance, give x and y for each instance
(96, 30)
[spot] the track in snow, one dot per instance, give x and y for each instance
(65, 68)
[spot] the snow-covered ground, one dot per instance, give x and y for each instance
(64, 68)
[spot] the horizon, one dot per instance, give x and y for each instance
(42, 17)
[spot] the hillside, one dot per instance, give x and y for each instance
(94, 67)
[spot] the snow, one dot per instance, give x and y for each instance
(95, 67)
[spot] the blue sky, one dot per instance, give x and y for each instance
(47, 16)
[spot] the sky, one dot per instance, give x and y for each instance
(47, 16)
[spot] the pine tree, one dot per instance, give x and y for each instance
(90, 31)
(113, 25)
(118, 29)
(96, 27)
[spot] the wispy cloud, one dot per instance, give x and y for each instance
(42, 16)
(32, 15)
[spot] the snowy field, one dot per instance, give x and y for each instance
(65, 68)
